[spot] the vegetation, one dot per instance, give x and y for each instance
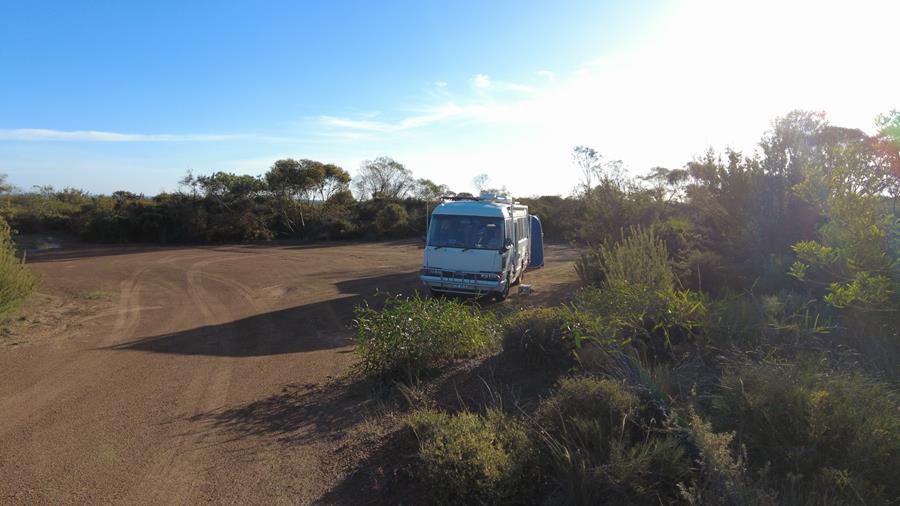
(467, 458)
(736, 339)
(15, 279)
(411, 336)
(737, 344)
(294, 199)
(640, 258)
(820, 434)
(600, 448)
(543, 336)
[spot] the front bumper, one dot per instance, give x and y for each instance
(462, 282)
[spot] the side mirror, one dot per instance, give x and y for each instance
(506, 246)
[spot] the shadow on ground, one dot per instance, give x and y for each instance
(388, 472)
(309, 327)
(298, 414)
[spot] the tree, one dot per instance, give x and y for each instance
(334, 180)
(853, 259)
(588, 161)
(384, 178)
(428, 190)
(481, 181)
(290, 180)
(6, 188)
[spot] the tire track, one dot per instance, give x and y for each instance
(179, 466)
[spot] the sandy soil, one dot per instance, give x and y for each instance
(198, 374)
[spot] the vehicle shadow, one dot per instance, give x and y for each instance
(315, 326)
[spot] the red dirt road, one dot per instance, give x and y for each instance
(187, 375)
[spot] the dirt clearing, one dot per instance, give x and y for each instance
(199, 374)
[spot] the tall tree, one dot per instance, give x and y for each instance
(481, 181)
(589, 162)
(383, 177)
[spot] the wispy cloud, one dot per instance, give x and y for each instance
(43, 134)
(431, 116)
(546, 74)
(481, 81)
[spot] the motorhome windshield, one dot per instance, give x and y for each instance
(468, 232)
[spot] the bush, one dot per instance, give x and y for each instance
(723, 478)
(604, 401)
(410, 336)
(640, 258)
(468, 458)
(391, 219)
(600, 450)
(653, 321)
(822, 434)
(16, 282)
(544, 336)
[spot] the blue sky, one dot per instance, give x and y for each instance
(123, 95)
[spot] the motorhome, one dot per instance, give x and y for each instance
(480, 246)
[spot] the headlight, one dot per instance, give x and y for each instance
(489, 276)
(428, 271)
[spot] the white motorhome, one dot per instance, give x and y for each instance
(478, 246)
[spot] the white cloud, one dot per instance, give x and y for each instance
(42, 134)
(440, 84)
(481, 81)
(546, 74)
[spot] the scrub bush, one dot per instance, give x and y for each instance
(639, 258)
(16, 282)
(653, 321)
(391, 219)
(823, 435)
(467, 458)
(410, 336)
(544, 336)
(600, 449)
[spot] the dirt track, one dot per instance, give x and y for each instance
(186, 375)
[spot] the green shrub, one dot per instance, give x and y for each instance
(16, 282)
(468, 458)
(544, 336)
(599, 449)
(391, 219)
(639, 258)
(821, 433)
(653, 321)
(410, 336)
(723, 478)
(604, 401)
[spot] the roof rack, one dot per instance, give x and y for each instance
(484, 197)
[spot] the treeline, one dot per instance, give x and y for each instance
(294, 199)
(819, 201)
